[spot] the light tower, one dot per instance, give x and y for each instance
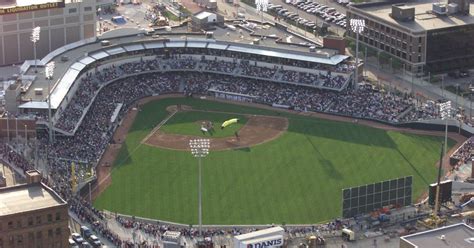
(262, 6)
(199, 149)
(49, 71)
(445, 112)
(35, 36)
(357, 26)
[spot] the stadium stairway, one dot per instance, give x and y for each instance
(402, 114)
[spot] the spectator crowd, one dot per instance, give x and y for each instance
(89, 113)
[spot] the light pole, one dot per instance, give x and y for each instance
(445, 112)
(16, 128)
(471, 91)
(442, 86)
(261, 7)
(26, 134)
(49, 70)
(8, 126)
(357, 26)
(199, 149)
(457, 92)
(35, 36)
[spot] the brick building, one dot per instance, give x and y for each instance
(32, 216)
(59, 27)
(423, 35)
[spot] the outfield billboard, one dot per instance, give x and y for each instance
(27, 5)
(366, 198)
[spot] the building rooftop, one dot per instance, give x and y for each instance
(204, 15)
(424, 18)
(457, 235)
(27, 197)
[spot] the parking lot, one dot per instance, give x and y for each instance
(311, 13)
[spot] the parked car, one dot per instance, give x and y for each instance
(72, 243)
(86, 232)
(95, 241)
(86, 244)
(77, 238)
(464, 73)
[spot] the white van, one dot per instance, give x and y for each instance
(72, 243)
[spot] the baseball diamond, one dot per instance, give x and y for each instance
(297, 175)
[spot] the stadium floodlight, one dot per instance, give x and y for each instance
(357, 26)
(445, 111)
(35, 36)
(49, 71)
(200, 149)
(262, 6)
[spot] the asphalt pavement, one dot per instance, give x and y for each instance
(316, 18)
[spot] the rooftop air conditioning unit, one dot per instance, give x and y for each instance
(453, 8)
(439, 8)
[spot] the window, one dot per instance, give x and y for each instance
(50, 233)
(88, 8)
(50, 217)
(19, 239)
(419, 39)
(72, 10)
(58, 231)
(58, 216)
(38, 220)
(31, 236)
(10, 224)
(419, 58)
(419, 49)
(30, 221)
(18, 224)
(38, 235)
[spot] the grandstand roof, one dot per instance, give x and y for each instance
(82, 53)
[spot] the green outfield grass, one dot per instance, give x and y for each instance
(296, 178)
(189, 123)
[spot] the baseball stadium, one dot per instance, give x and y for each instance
(149, 127)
